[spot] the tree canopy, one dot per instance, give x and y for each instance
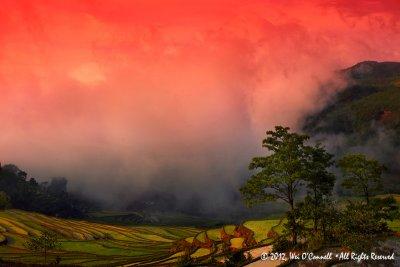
(361, 174)
(278, 174)
(289, 165)
(43, 243)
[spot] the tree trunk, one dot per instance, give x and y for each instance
(315, 207)
(366, 193)
(293, 223)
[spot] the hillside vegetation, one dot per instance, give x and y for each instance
(364, 116)
(52, 198)
(371, 99)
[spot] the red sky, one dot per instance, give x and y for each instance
(142, 91)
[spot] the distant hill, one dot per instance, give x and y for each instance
(364, 116)
(51, 198)
(371, 100)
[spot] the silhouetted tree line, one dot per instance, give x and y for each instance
(51, 198)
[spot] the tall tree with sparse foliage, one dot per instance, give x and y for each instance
(361, 174)
(279, 174)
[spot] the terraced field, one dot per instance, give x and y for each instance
(88, 244)
(216, 242)
(93, 244)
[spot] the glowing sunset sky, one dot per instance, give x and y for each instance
(170, 93)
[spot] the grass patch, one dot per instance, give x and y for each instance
(261, 228)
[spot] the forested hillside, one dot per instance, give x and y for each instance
(51, 198)
(365, 116)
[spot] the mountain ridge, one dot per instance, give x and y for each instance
(369, 97)
(364, 117)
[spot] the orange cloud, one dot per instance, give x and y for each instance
(88, 74)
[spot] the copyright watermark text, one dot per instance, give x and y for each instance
(310, 256)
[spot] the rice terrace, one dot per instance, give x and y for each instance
(85, 243)
(91, 244)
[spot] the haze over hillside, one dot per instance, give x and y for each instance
(364, 117)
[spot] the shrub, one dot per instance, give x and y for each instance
(315, 241)
(281, 244)
(237, 258)
(360, 227)
(185, 259)
(107, 236)
(4, 200)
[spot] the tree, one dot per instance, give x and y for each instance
(280, 174)
(58, 185)
(4, 200)
(43, 243)
(323, 217)
(361, 175)
(320, 183)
